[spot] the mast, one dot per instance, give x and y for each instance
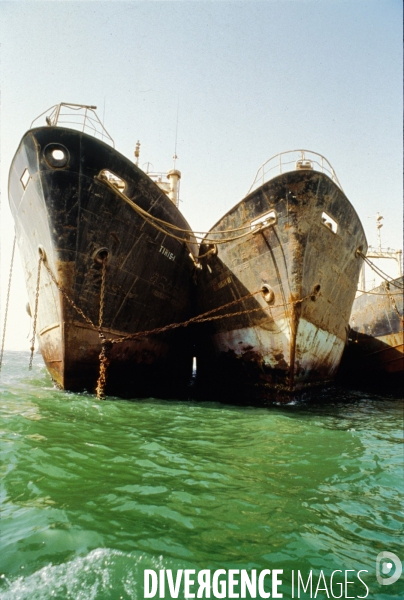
(174, 177)
(379, 225)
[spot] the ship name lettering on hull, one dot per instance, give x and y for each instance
(222, 284)
(167, 253)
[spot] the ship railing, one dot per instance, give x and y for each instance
(80, 117)
(157, 176)
(293, 160)
(162, 181)
(375, 250)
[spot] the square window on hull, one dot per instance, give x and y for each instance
(329, 222)
(25, 177)
(265, 220)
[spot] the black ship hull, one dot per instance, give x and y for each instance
(375, 350)
(302, 272)
(63, 211)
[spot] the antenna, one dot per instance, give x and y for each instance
(379, 225)
(176, 133)
(174, 175)
(103, 119)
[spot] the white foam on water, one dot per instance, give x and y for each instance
(103, 574)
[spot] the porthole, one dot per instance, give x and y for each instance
(268, 294)
(100, 255)
(315, 292)
(56, 155)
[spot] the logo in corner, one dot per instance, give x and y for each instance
(387, 562)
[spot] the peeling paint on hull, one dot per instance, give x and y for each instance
(375, 349)
(284, 348)
(73, 215)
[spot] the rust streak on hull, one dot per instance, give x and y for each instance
(275, 353)
(374, 352)
(73, 216)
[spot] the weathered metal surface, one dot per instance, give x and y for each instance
(375, 348)
(272, 354)
(70, 213)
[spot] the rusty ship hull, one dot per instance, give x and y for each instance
(290, 334)
(375, 348)
(63, 211)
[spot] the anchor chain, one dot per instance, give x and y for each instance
(67, 297)
(107, 344)
(102, 294)
(104, 357)
(7, 303)
(35, 312)
(204, 317)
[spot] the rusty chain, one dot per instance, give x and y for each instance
(38, 279)
(107, 344)
(7, 303)
(102, 295)
(202, 318)
(132, 336)
(66, 296)
(104, 357)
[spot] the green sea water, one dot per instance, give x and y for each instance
(93, 493)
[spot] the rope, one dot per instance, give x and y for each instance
(7, 303)
(172, 226)
(378, 271)
(156, 222)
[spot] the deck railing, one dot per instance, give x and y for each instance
(293, 160)
(76, 116)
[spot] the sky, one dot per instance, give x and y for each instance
(225, 84)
